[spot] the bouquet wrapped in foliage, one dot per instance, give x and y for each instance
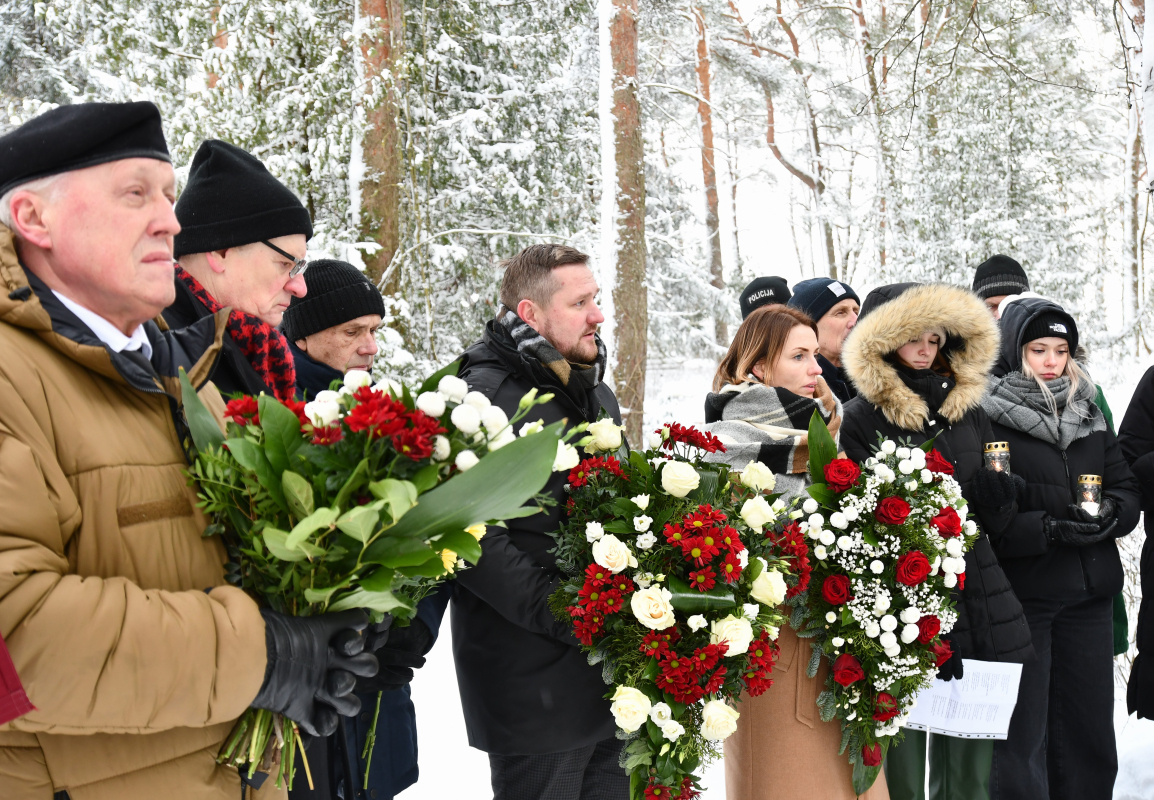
(889, 540)
(676, 573)
(362, 499)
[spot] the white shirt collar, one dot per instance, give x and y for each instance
(106, 331)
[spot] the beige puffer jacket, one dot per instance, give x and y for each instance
(136, 655)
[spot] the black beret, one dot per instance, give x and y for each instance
(231, 199)
(762, 292)
(78, 136)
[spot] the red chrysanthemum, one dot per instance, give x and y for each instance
(715, 682)
(674, 433)
(658, 791)
(757, 682)
(327, 436)
(598, 573)
(730, 539)
(376, 413)
(708, 656)
(612, 601)
(654, 644)
(622, 583)
(730, 568)
(763, 652)
(703, 579)
(591, 596)
(674, 534)
(687, 791)
(586, 626)
(413, 443)
(242, 411)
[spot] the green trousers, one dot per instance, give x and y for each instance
(959, 768)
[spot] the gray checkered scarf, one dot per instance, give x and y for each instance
(534, 345)
(1019, 403)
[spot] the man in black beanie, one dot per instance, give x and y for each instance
(241, 245)
(997, 278)
(332, 329)
(834, 306)
(764, 291)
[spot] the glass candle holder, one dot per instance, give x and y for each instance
(1090, 492)
(997, 456)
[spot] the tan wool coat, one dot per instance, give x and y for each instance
(136, 655)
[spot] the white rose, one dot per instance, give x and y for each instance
(909, 633)
(888, 447)
(671, 730)
(652, 609)
(661, 713)
(827, 538)
(593, 531)
(837, 641)
(756, 512)
(735, 631)
(453, 388)
(323, 413)
(810, 506)
(844, 542)
(611, 553)
(466, 460)
(871, 629)
(432, 403)
(889, 622)
(769, 588)
(441, 448)
(679, 478)
(905, 466)
(641, 501)
(606, 435)
(743, 558)
(630, 708)
(950, 580)
(654, 440)
(820, 552)
(357, 379)
(494, 419)
(646, 540)
(529, 428)
(567, 457)
(877, 567)
(887, 640)
(750, 611)
(466, 419)
(757, 476)
(839, 520)
(696, 622)
(830, 617)
(954, 546)
(718, 720)
(927, 476)
(641, 524)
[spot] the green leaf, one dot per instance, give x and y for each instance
(298, 493)
(618, 526)
(433, 568)
(400, 496)
(823, 494)
(321, 518)
(463, 543)
(359, 522)
(252, 458)
(320, 595)
(430, 383)
(282, 432)
(495, 489)
(427, 477)
(756, 565)
(355, 481)
(642, 467)
(822, 449)
(650, 670)
(398, 551)
(384, 601)
(274, 540)
(868, 536)
(686, 598)
(706, 488)
(201, 424)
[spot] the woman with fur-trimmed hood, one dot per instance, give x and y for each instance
(920, 357)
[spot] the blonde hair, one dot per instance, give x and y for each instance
(1073, 371)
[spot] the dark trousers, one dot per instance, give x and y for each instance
(587, 773)
(959, 768)
(1061, 744)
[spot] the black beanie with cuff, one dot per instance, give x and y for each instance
(1000, 275)
(337, 293)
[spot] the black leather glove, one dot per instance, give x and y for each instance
(953, 668)
(1072, 531)
(996, 489)
(313, 664)
(1105, 519)
(402, 652)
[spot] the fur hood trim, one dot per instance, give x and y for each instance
(972, 346)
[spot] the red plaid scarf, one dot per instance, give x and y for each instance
(263, 346)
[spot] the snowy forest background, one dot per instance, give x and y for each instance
(688, 146)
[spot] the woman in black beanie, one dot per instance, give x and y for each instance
(1061, 558)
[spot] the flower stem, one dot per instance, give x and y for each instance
(304, 760)
(371, 740)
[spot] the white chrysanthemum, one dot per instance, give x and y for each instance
(839, 520)
(453, 388)
(432, 403)
(442, 449)
(466, 419)
(889, 622)
(810, 506)
(466, 460)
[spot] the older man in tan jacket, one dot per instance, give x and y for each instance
(134, 652)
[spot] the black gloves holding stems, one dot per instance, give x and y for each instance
(313, 666)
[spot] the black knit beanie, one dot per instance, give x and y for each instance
(999, 275)
(763, 292)
(1056, 324)
(231, 200)
(817, 296)
(337, 292)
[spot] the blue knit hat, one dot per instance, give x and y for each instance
(817, 296)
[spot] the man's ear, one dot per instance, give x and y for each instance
(528, 311)
(302, 345)
(215, 259)
(28, 220)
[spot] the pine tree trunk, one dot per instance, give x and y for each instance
(381, 184)
(630, 301)
(709, 172)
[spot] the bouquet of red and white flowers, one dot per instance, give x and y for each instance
(364, 498)
(889, 545)
(677, 569)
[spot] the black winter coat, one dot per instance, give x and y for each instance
(233, 373)
(526, 687)
(1136, 438)
(836, 379)
(904, 404)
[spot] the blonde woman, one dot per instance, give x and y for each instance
(764, 394)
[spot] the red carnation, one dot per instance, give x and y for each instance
(961, 581)
(841, 473)
(242, 411)
(885, 707)
(929, 626)
(947, 522)
(942, 652)
(835, 589)
(913, 568)
(892, 511)
(871, 755)
(847, 669)
(936, 462)
(703, 579)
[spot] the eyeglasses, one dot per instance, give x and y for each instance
(299, 264)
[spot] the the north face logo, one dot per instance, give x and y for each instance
(1057, 327)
